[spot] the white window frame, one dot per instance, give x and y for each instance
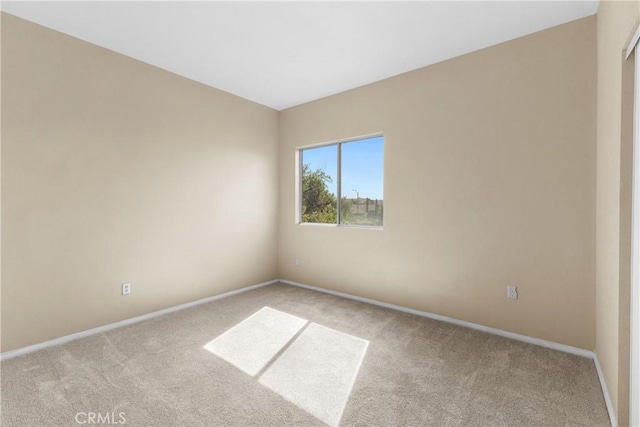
(300, 163)
(634, 380)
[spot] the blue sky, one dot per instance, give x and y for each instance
(362, 166)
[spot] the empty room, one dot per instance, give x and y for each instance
(320, 213)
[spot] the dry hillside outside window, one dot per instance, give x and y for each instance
(350, 172)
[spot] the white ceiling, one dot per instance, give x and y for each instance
(282, 54)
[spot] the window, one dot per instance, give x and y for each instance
(350, 172)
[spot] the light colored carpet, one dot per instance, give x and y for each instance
(414, 371)
(252, 343)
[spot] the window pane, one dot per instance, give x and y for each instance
(362, 177)
(319, 184)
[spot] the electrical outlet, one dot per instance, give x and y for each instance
(126, 288)
(512, 292)
(297, 262)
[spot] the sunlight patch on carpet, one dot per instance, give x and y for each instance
(252, 343)
(317, 371)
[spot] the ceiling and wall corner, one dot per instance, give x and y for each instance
(282, 54)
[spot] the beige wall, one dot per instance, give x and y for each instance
(0, 185)
(116, 171)
(490, 181)
(616, 22)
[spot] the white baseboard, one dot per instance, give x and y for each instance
(57, 341)
(524, 338)
(605, 392)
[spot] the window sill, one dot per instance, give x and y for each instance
(319, 224)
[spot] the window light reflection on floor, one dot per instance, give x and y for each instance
(316, 371)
